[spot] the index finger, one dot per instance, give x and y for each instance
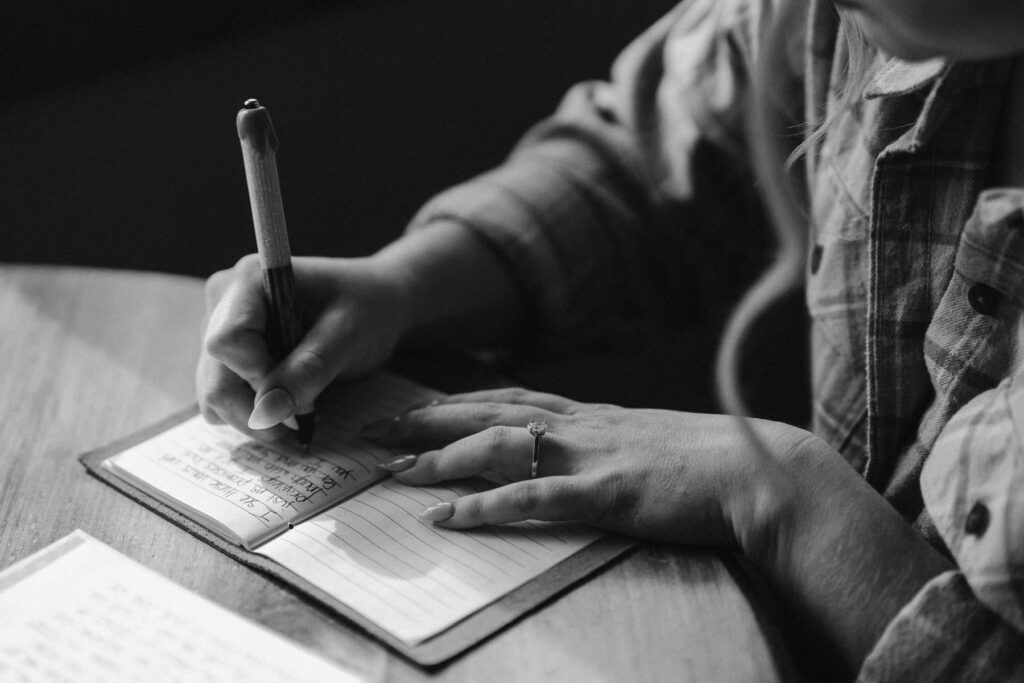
(235, 332)
(553, 499)
(516, 396)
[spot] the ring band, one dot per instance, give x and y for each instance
(537, 429)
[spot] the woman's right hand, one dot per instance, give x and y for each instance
(353, 314)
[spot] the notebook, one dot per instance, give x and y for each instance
(79, 611)
(336, 527)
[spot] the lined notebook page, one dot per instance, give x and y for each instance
(249, 492)
(79, 611)
(412, 578)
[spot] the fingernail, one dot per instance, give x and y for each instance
(379, 429)
(399, 464)
(437, 513)
(272, 408)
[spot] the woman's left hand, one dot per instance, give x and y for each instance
(659, 474)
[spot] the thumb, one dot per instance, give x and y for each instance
(294, 384)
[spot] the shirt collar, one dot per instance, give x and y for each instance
(899, 77)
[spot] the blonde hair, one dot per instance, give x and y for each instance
(774, 165)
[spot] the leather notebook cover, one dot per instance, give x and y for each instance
(433, 651)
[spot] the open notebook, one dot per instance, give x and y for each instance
(333, 525)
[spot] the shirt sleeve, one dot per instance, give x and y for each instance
(624, 198)
(946, 634)
(969, 624)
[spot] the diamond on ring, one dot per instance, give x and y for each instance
(537, 429)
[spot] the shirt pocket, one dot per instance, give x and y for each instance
(972, 340)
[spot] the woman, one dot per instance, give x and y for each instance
(910, 561)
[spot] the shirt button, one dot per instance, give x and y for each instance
(816, 258)
(983, 298)
(977, 520)
(1015, 221)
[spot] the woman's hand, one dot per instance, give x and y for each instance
(352, 311)
(835, 552)
(658, 474)
(440, 283)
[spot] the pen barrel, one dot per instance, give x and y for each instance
(259, 145)
(283, 332)
(267, 207)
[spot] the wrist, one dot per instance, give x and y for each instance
(778, 497)
(838, 555)
(397, 279)
(450, 286)
(422, 274)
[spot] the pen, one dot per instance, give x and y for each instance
(259, 146)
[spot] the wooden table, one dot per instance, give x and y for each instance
(92, 355)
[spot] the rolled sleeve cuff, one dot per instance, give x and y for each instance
(945, 634)
(552, 219)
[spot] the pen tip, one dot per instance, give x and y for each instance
(305, 431)
(251, 103)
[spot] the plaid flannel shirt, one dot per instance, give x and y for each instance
(636, 192)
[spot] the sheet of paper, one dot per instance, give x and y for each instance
(253, 492)
(79, 611)
(413, 578)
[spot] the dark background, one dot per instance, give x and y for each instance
(117, 139)
(118, 144)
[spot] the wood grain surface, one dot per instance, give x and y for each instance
(91, 355)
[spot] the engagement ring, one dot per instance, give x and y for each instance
(537, 428)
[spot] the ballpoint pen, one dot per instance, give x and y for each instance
(259, 147)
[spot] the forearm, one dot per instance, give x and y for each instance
(453, 288)
(841, 558)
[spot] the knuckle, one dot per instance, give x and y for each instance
(220, 342)
(213, 396)
(567, 497)
(486, 412)
(495, 438)
(214, 342)
(247, 265)
(426, 466)
(216, 283)
(561, 490)
(523, 500)
(471, 508)
(310, 364)
(517, 395)
(611, 503)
